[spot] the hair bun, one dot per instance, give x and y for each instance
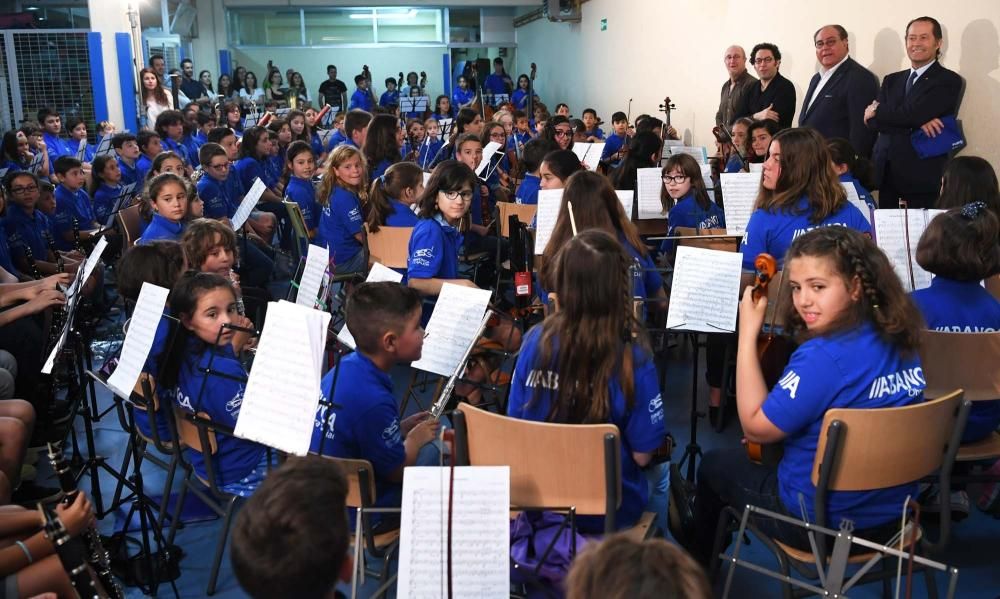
(973, 210)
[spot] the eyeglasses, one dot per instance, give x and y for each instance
(827, 43)
(764, 60)
(675, 178)
(564, 132)
(25, 189)
(466, 196)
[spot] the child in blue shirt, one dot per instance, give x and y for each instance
(361, 99)
(299, 169)
(56, 146)
(443, 108)
(463, 97)
(859, 333)
(363, 422)
(799, 206)
(686, 197)
(521, 134)
(74, 212)
(27, 228)
(340, 225)
(617, 141)
(204, 302)
(591, 130)
(150, 145)
(77, 128)
(219, 187)
(106, 174)
(430, 150)
(168, 197)
(393, 196)
(390, 97)
(578, 367)
(852, 168)
(127, 151)
(532, 155)
(170, 128)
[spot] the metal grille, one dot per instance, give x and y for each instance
(6, 103)
(168, 48)
(52, 69)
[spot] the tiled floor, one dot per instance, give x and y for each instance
(974, 548)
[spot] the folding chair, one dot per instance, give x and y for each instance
(298, 226)
(525, 213)
(389, 246)
(971, 362)
(130, 222)
(910, 442)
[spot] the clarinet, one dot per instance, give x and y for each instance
(240, 306)
(30, 257)
(76, 236)
(73, 555)
(60, 263)
(96, 556)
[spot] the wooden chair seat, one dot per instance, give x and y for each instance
(130, 221)
(525, 213)
(806, 557)
(980, 450)
(389, 246)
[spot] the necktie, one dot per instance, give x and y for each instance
(909, 83)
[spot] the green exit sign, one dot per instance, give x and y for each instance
(604, 24)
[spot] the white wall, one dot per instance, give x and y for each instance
(657, 48)
(383, 62)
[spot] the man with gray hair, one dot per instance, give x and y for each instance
(735, 88)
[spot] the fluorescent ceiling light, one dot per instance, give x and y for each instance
(410, 14)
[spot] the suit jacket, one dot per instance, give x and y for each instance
(839, 108)
(780, 92)
(933, 95)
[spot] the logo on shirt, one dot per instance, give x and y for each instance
(423, 256)
(233, 405)
(910, 380)
(390, 435)
(354, 214)
(321, 415)
(966, 329)
(790, 383)
(798, 232)
(711, 222)
(546, 379)
(656, 409)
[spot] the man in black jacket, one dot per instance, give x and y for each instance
(915, 98)
(839, 93)
(774, 97)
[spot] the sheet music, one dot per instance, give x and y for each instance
(249, 202)
(36, 161)
(89, 265)
(450, 331)
(627, 198)
(377, 274)
(139, 338)
(854, 198)
(282, 393)
(427, 178)
(706, 290)
(488, 152)
(739, 193)
(549, 201)
(649, 182)
(890, 235)
(445, 126)
(64, 334)
(317, 261)
(81, 150)
(480, 532)
(756, 167)
(104, 146)
(124, 195)
(325, 135)
(699, 153)
(587, 151)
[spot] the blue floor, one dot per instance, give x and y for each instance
(973, 549)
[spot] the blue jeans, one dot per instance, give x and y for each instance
(658, 477)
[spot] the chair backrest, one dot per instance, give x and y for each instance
(968, 361)
(360, 480)
(731, 243)
(188, 432)
(551, 465)
(131, 224)
(390, 246)
(885, 447)
(298, 220)
(525, 213)
(993, 286)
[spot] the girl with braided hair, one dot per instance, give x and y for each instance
(858, 331)
(799, 191)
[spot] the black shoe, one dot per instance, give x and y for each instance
(714, 414)
(29, 494)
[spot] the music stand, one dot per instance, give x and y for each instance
(413, 104)
(499, 99)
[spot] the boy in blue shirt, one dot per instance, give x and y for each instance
(73, 206)
(361, 99)
(616, 141)
(56, 146)
(219, 188)
(149, 145)
(390, 97)
(338, 132)
(534, 152)
(591, 130)
(384, 319)
(126, 147)
(522, 132)
(356, 128)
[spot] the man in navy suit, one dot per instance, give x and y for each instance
(909, 100)
(839, 93)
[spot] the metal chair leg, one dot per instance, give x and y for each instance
(220, 546)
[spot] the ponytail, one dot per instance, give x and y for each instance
(397, 178)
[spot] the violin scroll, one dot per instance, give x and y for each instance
(766, 267)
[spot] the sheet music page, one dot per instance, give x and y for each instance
(36, 161)
(70, 306)
(103, 146)
(325, 135)
(139, 338)
(377, 274)
(756, 167)
(706, 175)
(699, 153)
(706, 290)
(488, 152)
(649, 183)
(890, 235)
(854, 198)
(627, 198)
(90, 265)
(427, 177)
(317, 261)
(445, 125)
(451, 329)
(282, 393)
(580, 149)
(739, 193)
(249, 202)
(480, 532)
(546, 216)
(81, 150)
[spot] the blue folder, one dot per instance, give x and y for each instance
(949, 140)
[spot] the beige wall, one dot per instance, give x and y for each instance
(657, 48)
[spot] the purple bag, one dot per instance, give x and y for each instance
(531, 533)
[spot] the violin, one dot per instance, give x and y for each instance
(423, 82)
(366, 72)
(773, 351)
(665, 108)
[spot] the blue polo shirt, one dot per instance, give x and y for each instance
(389, 98)
(175, 147)
(248, 169)
(131, 174)
(143, 164)
(70, 207)
(460, 96)
(27, 231)
(595, 132)
(340, 222)
(56, 146)
(365, 425)
(527, 191)
(302, 192)
(773, 231)
(433, 254)
(612, 144)
(519, 99)
(379, 169)
(335, 140)
(687, 213)
(400, 215)
(863, 193)
(104, 201)
(428, 154)
(361, 99)
(221, 398)
(161, 228)
(963, 307)
(642, 424)
(495, 84)
(221, 198)
(850, 369)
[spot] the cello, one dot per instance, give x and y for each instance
(773, 351)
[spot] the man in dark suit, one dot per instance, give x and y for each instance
(839, 93)
(774, 97)
(909, 100)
